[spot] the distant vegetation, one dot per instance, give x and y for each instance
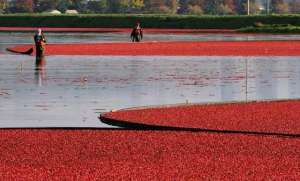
(196, 7)
(147, 20)
(267, 28)
(155, 14)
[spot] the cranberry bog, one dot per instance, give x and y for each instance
(196, 137)
(221, 48)
(145, 155)
(269, 118)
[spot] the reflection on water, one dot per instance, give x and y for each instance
(276, 78)
(40, 70)
(71, 91)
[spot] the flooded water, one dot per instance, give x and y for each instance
(71, 91)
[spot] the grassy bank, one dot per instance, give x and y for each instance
(148, 21)
(276, 28)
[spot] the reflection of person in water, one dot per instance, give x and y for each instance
(40, 42)
(137, 33)
(40, 72)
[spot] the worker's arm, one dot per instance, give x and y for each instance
(44, 39)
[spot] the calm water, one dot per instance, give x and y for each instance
(71, 91)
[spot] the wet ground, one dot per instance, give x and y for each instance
(71, 91)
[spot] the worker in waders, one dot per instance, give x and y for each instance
(40, 42)
(137, 33)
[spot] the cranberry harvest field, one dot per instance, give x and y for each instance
(180, 105)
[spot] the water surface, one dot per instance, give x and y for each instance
(71, 91)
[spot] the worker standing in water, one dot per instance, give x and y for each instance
(137, 33)
(40, 42)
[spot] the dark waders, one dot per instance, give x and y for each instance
(39, 55)
(136, 35)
